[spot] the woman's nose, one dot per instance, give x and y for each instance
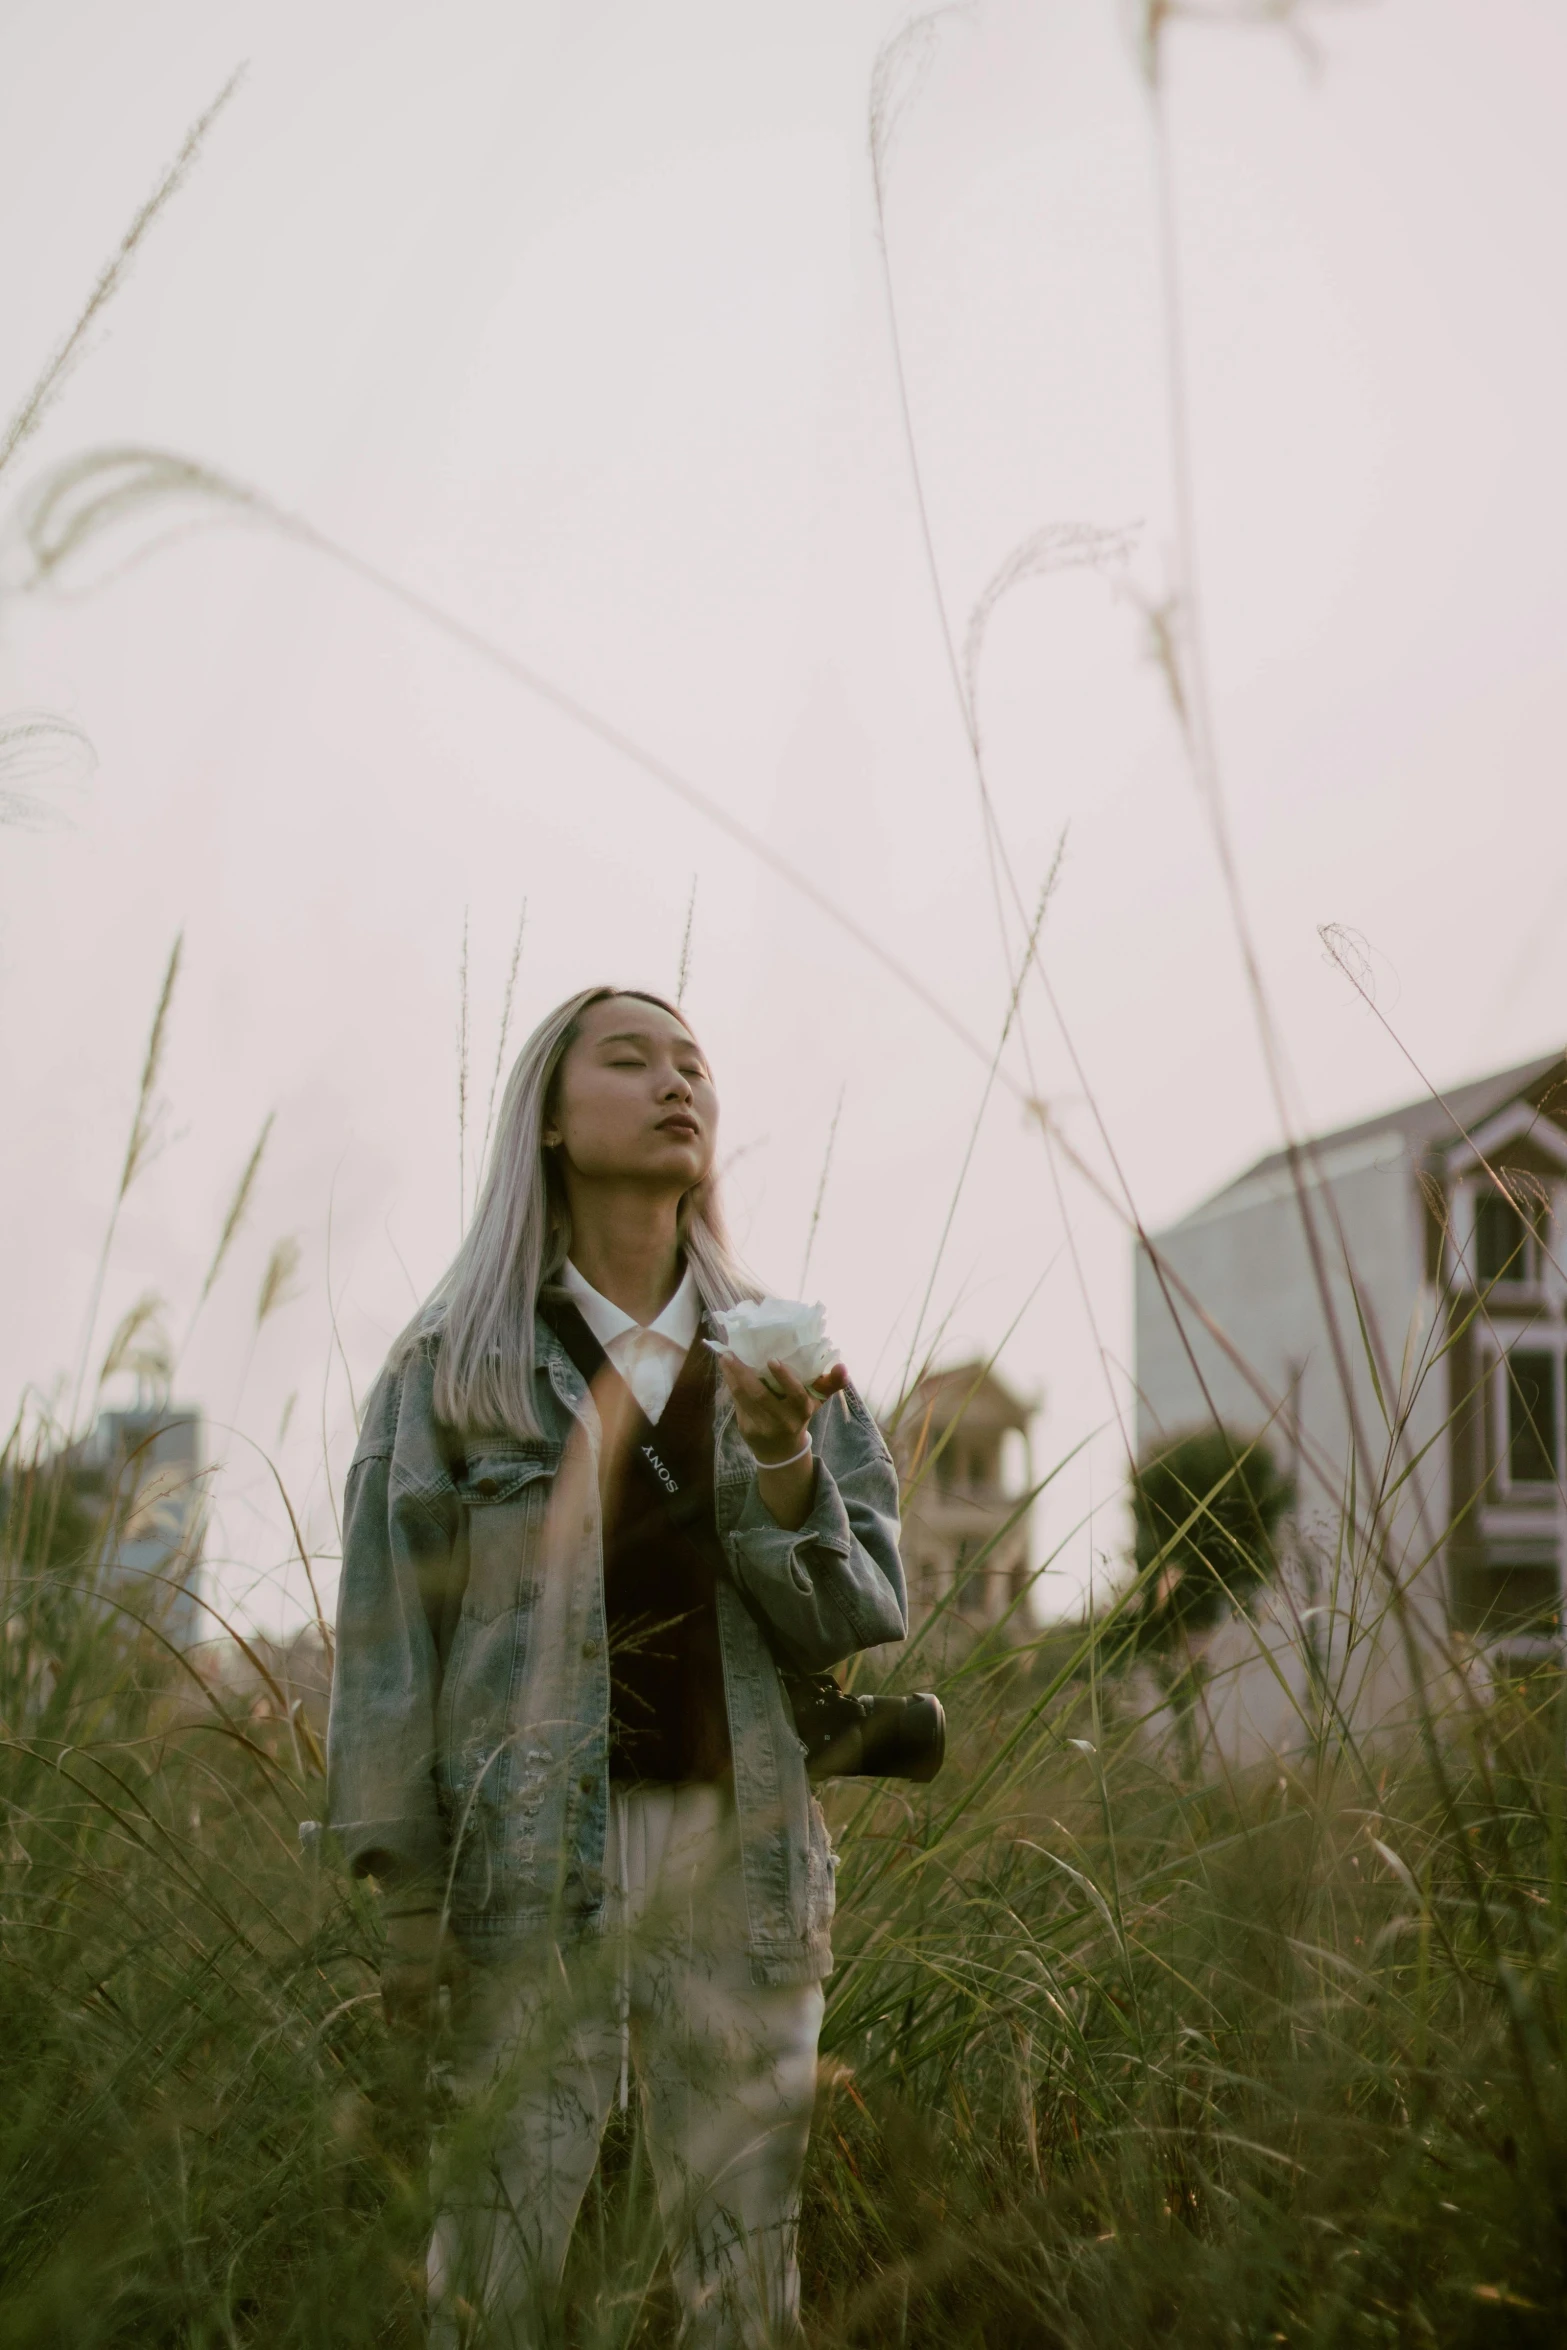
(676, 1087)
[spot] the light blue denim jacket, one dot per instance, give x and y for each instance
(468, 1746)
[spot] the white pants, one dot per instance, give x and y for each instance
(726, 2073)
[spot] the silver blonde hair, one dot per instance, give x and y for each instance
(482, 1309)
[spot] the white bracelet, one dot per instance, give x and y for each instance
(802, 1454)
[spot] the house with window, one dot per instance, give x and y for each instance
(961, 1443)
(1387, 1309)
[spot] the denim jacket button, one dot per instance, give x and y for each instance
(587, 1784)
(488, 1486)
(590, 1648)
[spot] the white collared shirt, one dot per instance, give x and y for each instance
(647, 1355)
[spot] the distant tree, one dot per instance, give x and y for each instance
(1234, 1494)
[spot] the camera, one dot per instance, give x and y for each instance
(849, 1737)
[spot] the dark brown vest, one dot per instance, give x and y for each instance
(667, 1716)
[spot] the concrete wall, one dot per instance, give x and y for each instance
(1245, 1259)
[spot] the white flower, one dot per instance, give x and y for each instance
(773, 1330)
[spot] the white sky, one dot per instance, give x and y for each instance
(572, 319)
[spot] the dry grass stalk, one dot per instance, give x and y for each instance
(683, 974)
(278, 1281)
(46, 390)
(238, 1207)
(507, 1001)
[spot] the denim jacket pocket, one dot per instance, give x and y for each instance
(504, 1490)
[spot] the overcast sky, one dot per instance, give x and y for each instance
(571, 319)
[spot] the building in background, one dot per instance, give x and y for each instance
(1437, 1231)
(961, 1443)
(140, 1473)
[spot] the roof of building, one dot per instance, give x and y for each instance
(1423, 1125)
(970, 1391)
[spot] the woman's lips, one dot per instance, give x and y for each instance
(680, 1124)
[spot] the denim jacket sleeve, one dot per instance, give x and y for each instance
(400, 1529)
(834, 1585)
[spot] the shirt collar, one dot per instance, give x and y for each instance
(679, 1322)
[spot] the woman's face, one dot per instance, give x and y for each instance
(633, 1100)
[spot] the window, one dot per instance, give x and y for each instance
(1510, 1233)
(1531, 1417)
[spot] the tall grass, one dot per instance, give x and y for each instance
(1122, 2047)
(1113, 2053)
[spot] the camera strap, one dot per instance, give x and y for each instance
(683, 1511)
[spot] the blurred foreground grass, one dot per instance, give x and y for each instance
(1111, 2057)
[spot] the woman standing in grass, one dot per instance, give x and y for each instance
(576, 1539)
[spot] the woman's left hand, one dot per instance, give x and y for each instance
(774, 1421)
